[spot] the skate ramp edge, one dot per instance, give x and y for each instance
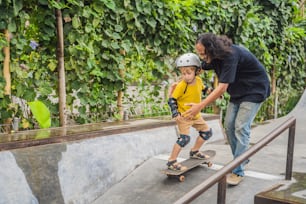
(300, 108)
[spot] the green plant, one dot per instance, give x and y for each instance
(41, 113)
(141, 39)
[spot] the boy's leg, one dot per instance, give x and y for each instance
(204, 134)
(172, 162)
(181, 142)
(198, 144)
(175, 152)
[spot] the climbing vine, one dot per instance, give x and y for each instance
(113, 44)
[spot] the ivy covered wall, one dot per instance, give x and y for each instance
(112, 44)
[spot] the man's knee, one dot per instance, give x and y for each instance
(183, 140)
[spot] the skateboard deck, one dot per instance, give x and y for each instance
(190, 164)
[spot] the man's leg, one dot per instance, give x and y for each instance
(229, 125)
(245, 116)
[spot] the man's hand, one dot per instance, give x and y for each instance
(193, 111)
(177, 118)
(197, 107)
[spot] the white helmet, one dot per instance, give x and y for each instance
(187, 60)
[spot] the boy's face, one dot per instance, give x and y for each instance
(188, 74)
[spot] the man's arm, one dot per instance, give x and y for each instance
(213, 96)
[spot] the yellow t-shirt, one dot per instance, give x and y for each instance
(193, 94)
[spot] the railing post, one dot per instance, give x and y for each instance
(290, 149)
(221, 174)
(222, 190)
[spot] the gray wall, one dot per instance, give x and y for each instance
(81, 171)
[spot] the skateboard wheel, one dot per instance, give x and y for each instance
(182, 178)
(209, 164)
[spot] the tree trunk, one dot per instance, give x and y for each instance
(273, 80)
(119, 104)
(61, 69)
(6, 68)
(273, 110)
(120, 97)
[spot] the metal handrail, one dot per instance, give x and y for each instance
(220, 176)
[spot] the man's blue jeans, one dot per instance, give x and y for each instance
(238, 120)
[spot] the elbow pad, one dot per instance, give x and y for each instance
(172, 102)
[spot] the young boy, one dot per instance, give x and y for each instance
(188, 90)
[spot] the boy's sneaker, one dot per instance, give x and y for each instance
(198, 155)
(174, 165)
(233, 179)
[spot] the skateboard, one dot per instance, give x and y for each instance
(190, 164)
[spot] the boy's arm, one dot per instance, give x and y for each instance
(171, 89)
(172, 102)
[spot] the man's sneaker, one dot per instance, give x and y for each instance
(233, 179)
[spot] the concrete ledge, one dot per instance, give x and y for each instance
(287, 192)
(72, 133)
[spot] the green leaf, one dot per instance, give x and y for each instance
(115, 45)
(52, 65)
(41, 113)
(110, 4)
(2, 24)
(96, 22)
(86, 12)
(12, 26)
(151, 22)
(17, 6)
(76, 22)
(43, 2)
(126, 45)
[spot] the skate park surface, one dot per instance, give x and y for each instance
(121, 163)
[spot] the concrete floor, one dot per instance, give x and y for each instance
(147, 185)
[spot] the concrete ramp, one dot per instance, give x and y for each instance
(81, 171)
(147, 185)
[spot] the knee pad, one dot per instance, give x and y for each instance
(206, 134)
(183, 140)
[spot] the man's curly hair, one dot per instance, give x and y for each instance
(217, 47)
